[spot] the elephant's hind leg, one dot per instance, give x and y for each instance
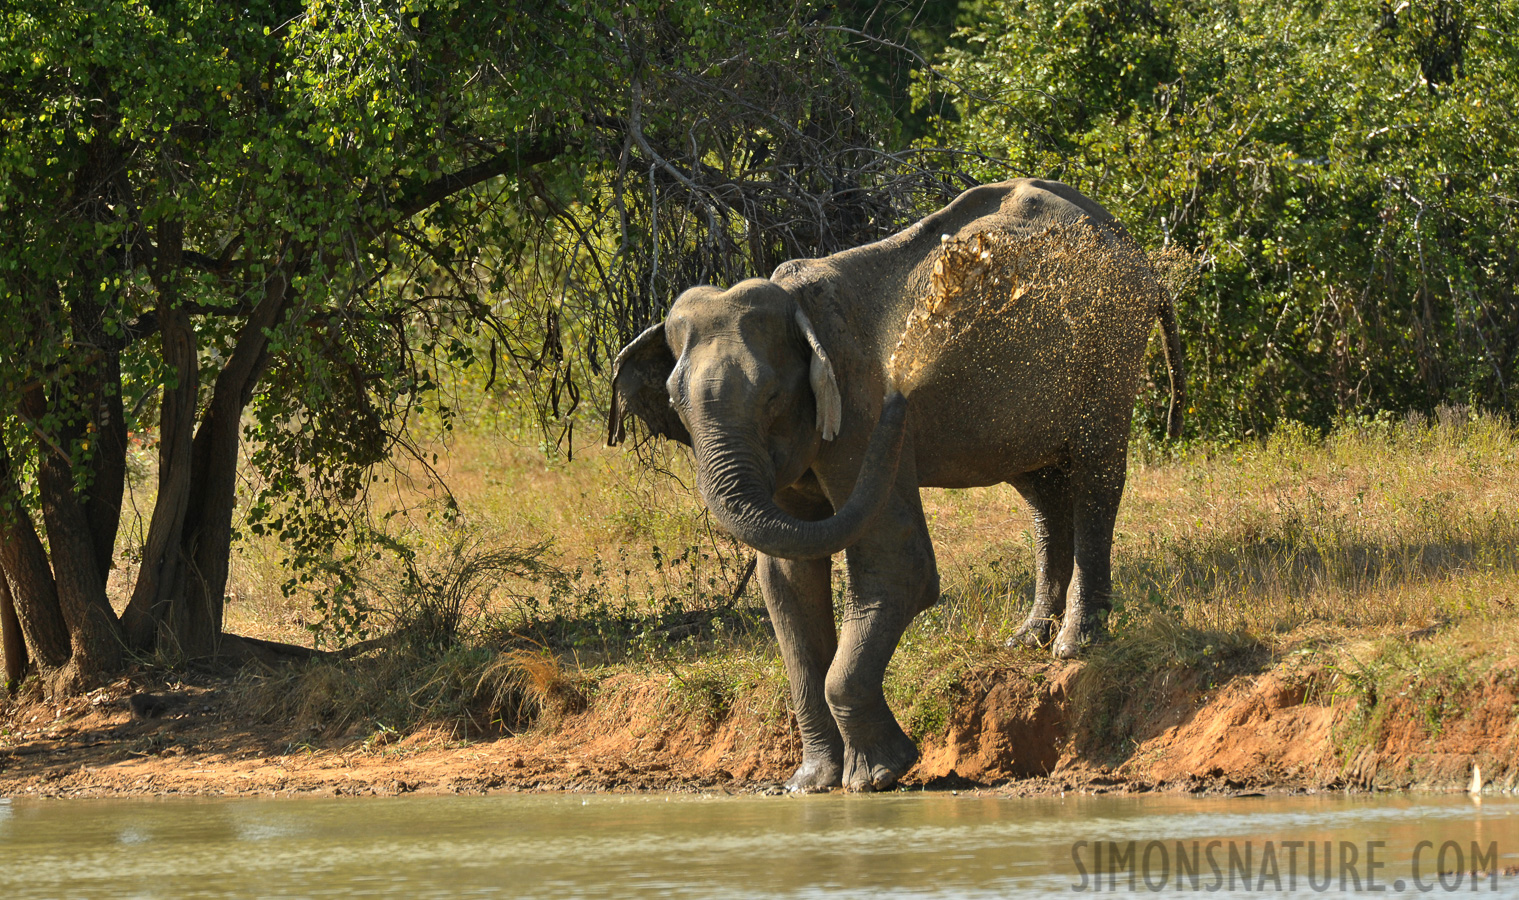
(1048, 492)
(798, 595)
(1097, 492)
(892, 576)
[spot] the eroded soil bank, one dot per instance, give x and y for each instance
(1353, 719)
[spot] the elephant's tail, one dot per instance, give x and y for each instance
(1175, 365)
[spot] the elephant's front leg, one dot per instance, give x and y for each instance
(892, 576)
(799, 596)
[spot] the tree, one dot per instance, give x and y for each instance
(258, 230)
(1345, 173)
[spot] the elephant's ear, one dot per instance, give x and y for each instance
(825, 387)
(638, 388)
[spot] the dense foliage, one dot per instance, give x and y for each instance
(1346, 172)
(264, 229)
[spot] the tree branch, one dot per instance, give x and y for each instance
(515, 159)
(147, 323)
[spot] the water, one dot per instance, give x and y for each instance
(568, 846)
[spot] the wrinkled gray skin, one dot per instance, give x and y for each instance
(759, 377)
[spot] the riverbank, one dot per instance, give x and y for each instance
(1306, 612)
(1398, 711)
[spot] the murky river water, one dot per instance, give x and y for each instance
(902, 845)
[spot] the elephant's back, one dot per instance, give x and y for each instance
(886, 278)
(1055, 359)
(1023, 338)
(1023, 206)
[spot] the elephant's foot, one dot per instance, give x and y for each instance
(878, 765)
(1076, 635)
(816, 775)
(1034, 632)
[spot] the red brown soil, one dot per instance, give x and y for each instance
(1023, 729)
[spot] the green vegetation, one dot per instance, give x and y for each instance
(1421, 681)
(304, 303)
(263, 235)
(1345, 172)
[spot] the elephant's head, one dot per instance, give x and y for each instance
(741, 377)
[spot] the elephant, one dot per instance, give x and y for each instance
(803, 448)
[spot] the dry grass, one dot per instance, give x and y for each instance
(462, 691)
(1222, 555)
(1227, 557)
(1380, 525)
(620, 534)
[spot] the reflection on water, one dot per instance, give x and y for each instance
(564, 846)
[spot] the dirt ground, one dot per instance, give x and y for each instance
(1020, 730)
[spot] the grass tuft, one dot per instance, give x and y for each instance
(1145, 659)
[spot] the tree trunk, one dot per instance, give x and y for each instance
(22, 557)
(214, 487)
(178, 599)
(98, 189)
(94, 632)
(151, 608)
(108, 462)
(12, 644)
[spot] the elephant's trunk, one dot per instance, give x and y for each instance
(743, 500)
